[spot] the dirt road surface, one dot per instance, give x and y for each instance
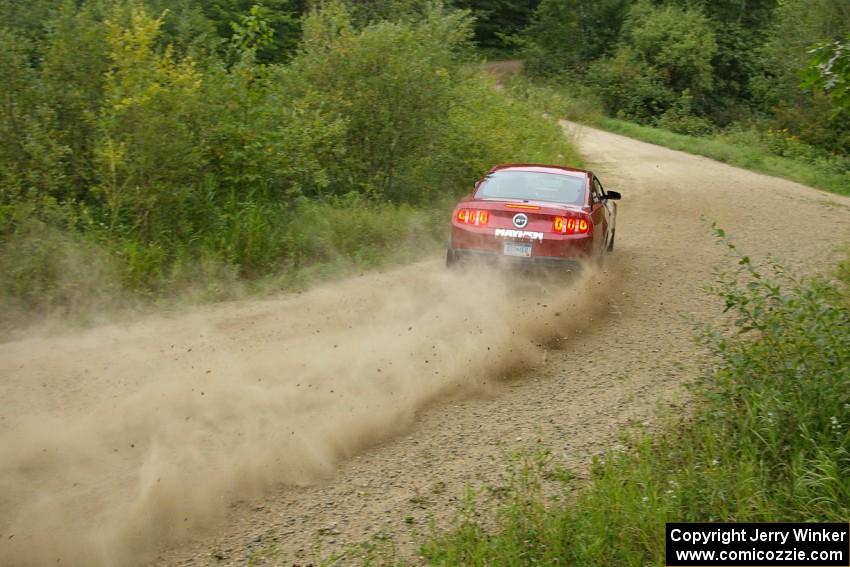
(279, 431)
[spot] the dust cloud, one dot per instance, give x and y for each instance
(123, 439)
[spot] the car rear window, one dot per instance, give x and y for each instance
(533, 186)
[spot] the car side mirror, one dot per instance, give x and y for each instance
(613, 195)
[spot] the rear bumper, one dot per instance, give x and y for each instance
(548, 247)
(462, 256)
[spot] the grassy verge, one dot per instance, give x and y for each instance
(747, 155)
(767, 439)
(49, 275)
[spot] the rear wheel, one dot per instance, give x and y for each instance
(451, 258)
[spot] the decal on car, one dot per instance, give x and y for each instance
(510, 233)
(520, 220)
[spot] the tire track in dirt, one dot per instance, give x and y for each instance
(251, 419)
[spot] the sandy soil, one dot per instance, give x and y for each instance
(279, 431)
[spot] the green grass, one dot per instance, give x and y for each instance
(750, 156)
(766, 437)
(49, 274)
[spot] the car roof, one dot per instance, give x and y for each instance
(540, 168)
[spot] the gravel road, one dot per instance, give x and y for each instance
(279, 431)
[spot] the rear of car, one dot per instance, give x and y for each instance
(532, 213)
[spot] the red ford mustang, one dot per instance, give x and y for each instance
(535, 213)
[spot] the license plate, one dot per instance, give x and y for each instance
(520, 249)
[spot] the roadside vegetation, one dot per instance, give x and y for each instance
(763, 85)
(699, 67)
(777, 153)
(773, 152)
(152, 150)
(765, 438)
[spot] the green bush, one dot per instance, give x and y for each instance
(630, 88)
(798, 26)
(665, 55)
(564, 36)
(391, 83)
(680, 118)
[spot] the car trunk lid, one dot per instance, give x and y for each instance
(526, 215)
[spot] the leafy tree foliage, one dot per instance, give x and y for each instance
(740, 28)
(364, 13)
(694, 66)
(664, 60)
(797, 28)
(280, 19)
(394, 107)
(566, 35)
(829, 71)
(26, 17)
(498, 21)
(162, 149)
(140, 172)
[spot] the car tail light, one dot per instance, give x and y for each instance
(571, 225)
(473, 216)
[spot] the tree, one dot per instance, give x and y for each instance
(394, 108)
(252, 32)
(282, 17)
(74, 64)
(16, 106)
(799, 26)
(497, 21)
(664, 59)
(569, 34)
(362, 14)
(26, 17)
(146, 94)
(829, 72)
(740, 29)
